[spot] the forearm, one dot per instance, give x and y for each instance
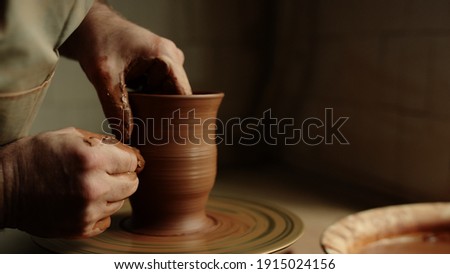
(7, 169)
(86, 35)
(2, 200)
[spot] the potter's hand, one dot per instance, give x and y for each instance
(113, 51)
(65, 183)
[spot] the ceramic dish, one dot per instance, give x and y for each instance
(410, 228)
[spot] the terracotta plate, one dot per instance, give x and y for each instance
(410, 228)
(240, 227)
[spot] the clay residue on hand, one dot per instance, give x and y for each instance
(126, 119)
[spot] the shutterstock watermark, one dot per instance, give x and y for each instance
(184, 128)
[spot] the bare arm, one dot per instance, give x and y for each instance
(113, 51)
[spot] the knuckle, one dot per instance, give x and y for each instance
(168, 46)
(135, 186)
(104, 68)
(101, 70)
(94, 191)
(85, 225)
(93, 226)
(131, 186)
(181, 56)
(70, 129)
(85, 159)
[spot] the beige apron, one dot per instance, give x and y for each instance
(30, 33)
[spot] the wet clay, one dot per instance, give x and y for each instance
(176, 136)
(426, 243)
(171, 211)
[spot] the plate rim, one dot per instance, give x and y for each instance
(345, 223)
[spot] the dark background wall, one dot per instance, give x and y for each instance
(384, 64)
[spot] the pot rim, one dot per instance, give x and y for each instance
(195, 95)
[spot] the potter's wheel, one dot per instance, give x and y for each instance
(241, 227)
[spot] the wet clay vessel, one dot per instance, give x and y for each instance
(175, 134)
(171, 211)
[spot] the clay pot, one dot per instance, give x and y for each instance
(176, 137)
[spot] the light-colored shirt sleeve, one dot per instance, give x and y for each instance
(30, 33)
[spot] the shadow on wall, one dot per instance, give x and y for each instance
(384, 65)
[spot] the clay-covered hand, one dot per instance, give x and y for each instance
(114, 52)
(65, 183)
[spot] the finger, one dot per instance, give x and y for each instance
(105, 221)
(121, 186)
(149, 76)
(113, 97)
(162, 76)
(100, 226)
(140, 159)
(140, 162)
(180, 80)
(156, 74)
(96, 138)
(94, 229)
(180, 56)
(176, 80)
(113, 207)
(107, 209)
(102, 141)
(117, 158)
(136, 75)
(100, 214)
